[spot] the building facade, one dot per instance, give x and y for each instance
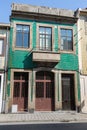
(43, 59)
(4, 40)
(82, 42)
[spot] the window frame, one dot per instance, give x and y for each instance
(22, 36)
(45, 37)
(14, 47)
(59, 37)
(3, 46)
(52, 36)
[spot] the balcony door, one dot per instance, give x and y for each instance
(45, 38)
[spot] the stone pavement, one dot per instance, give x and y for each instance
(38, 117)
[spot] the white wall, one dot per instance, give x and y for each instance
(83, 86)
(1, 90)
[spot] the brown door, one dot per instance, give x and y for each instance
(44, 91)
(68, 93)
(20, 93)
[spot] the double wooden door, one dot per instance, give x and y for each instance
(44, 91)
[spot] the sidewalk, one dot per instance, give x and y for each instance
(38, 117)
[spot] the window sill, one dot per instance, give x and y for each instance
(22, 49)
(69, 52)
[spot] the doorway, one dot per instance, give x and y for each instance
(68, 92)
(44, 91)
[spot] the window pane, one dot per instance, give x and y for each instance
(26, 40)
(1, 46)
(16, 89)
(45, 38)
(19, 39)
(19, 28)
(22, 36)
(48, 30)
(63, 32)
(66, 39)
(70, 43)
(17, 76)
(39, 90)
(25, 28)
(42, 30)
(69, 33)
(24, 89)
(40, 75)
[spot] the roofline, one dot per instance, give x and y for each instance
(42, 10)
(4, 24)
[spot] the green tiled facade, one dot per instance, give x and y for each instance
(23, 60)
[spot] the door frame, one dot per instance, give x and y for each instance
(69, 103)
(75, 87)
(45, 86)
(22, 98)
(12, 86)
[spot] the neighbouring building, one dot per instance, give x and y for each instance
(82, 42)
(43, 71)
(4, 40)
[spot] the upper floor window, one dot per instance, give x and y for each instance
(1, 46)
(45, 38)
(66, 39)
(22, 36)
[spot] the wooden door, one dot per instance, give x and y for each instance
(20, 93)
(44, 91)
(68, 92)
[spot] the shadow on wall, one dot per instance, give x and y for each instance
(28, 63)
(82, 104)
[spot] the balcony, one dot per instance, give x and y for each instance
(45, 57)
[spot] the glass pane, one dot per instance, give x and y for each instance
(16, 76)
(39, 75)
(48, 30)
(24, 90)
(19, 28)
(1, 46)
(48, 43)
(22, 36)
(39, 90)
(63, 32)
(66, 39)
(42, 42)
(16, 89)
(25, 28)
(48, 90)
(24, 76)
(42, 30)
(69, 33)
(26, 40)
(19, 39)
(45, 38)
(70, 44)
(49, 76)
